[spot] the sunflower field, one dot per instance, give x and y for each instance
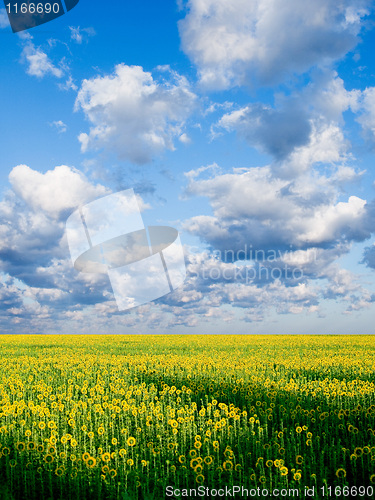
(137, 416)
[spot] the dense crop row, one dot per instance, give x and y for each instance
(125, 416)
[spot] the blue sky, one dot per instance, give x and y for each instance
(248, 126)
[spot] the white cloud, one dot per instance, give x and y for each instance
(236, 42)
(256, 208)
(324, 101)
(54, 192)
(19, 305)
(38, 62)
(276, 132)
(133, 114)
(68, 85)
(334, 222)
(37, 278)
(366, 108)
(60, 126)
(215, 106)
(362, 103)
(78, 34)
(184, 138)
(327, 144)
(327, 94)
(301, 129)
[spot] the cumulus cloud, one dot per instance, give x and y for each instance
(327, 145)
(33, 215)
(255, 207)
(134, 114)
(362, 103)
(301, 129)
(19, 304)
(276, 132)
(327, 96)
(56, 191)
(37, 278)
(236, 42)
